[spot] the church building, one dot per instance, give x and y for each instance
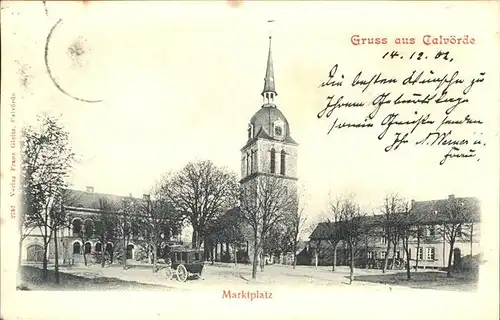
(270, 149)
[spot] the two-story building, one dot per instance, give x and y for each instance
(435, 223)
(82, 209)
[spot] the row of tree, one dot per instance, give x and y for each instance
(397, 223)
(203, 195)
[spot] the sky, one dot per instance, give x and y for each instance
(180, 83)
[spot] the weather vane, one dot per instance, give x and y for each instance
(270, 26)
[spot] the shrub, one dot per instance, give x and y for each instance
(471, 262)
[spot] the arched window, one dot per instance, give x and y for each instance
(248, 163)
(77, 248)
(273, 160)
(35, 252)
(98, 247)
(109, 248)
(244, 166)
(88, 226)
(254, 161)
(87, 247)
(250, 131)
(77, 226)
(283, 162)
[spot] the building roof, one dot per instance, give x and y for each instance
(269, 85)
(90, 200)
(262, 122)
(421, 213)
(443, 210)
(265, 118)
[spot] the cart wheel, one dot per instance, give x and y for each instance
(181, 273)
(169, 273)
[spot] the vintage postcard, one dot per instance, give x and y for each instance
(239, 159)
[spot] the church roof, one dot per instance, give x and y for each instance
(262, 123)
(269, 85)
(265, 117)
(264, 120)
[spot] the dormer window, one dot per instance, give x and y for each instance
(250, 131)
(278, 129)
(432, 231)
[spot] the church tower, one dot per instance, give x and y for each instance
(269, 149)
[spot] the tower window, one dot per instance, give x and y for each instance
(282, 162)
(245, 170)
(273, 161)
(248, 163)
(254, 161)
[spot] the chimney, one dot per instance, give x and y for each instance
(451, 197)
(130, 195)
(412, 203)
(146, 197)
(90, 189)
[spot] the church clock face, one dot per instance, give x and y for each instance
(278, 131)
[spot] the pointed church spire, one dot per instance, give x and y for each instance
(269, 91)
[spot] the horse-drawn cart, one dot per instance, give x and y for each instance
(184, 263)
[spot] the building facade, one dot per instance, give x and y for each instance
(77, 242)
(431, 249)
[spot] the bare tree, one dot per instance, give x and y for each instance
(59, 221)
(278, 240)
(419, 234)
(228, 229)
(105, 224)
(389, 211)
(334, 233)
(159, 218)
(128, 225)
(297, 223)
(406, 224)
(47, 159)
(455, 215)
(265, 203)
(352, 226)
(202, 192)
(284, 237)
